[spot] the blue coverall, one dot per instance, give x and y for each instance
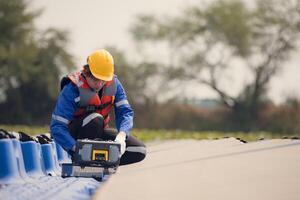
(66, 105)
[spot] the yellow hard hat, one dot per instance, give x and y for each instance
(101, 64)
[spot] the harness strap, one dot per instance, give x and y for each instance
(93, 108)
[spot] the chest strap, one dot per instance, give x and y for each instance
(93, 108)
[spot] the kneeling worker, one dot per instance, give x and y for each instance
(82, 109)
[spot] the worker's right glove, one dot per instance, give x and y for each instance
(121, 137)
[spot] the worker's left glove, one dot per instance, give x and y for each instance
(121, 137)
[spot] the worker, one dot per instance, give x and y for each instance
(83, 106)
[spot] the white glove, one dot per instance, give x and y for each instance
(121, 137)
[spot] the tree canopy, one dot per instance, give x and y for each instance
(31, 62)
(205, 41)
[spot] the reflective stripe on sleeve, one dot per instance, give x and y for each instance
(61, 119)
(122, 102)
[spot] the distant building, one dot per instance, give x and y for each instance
(202, 103)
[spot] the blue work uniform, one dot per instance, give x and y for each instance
(67, 104)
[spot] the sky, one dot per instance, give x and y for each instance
(93, 24)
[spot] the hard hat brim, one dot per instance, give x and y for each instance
(104, 78)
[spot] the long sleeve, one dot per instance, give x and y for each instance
(62, 115)
(123, 111)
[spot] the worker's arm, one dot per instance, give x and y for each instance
(123, 111)
(62, 115)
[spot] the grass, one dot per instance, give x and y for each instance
(32, 130)
(151, 135)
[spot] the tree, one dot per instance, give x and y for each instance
(31, 64)
(136, 78)
(204, 42)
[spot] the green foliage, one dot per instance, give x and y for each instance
(222, 21)
(134, 77)
(16, 23)
(31, 65)
(228, 21)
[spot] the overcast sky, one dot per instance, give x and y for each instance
(94, 24)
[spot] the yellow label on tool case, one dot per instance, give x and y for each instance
(100, 155)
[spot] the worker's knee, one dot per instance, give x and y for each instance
(140, 157)
(91, 126)
(133, 154)
(93, 120)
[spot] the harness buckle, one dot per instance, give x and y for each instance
(91, 108)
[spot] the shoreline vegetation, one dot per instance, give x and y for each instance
(148, 135)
